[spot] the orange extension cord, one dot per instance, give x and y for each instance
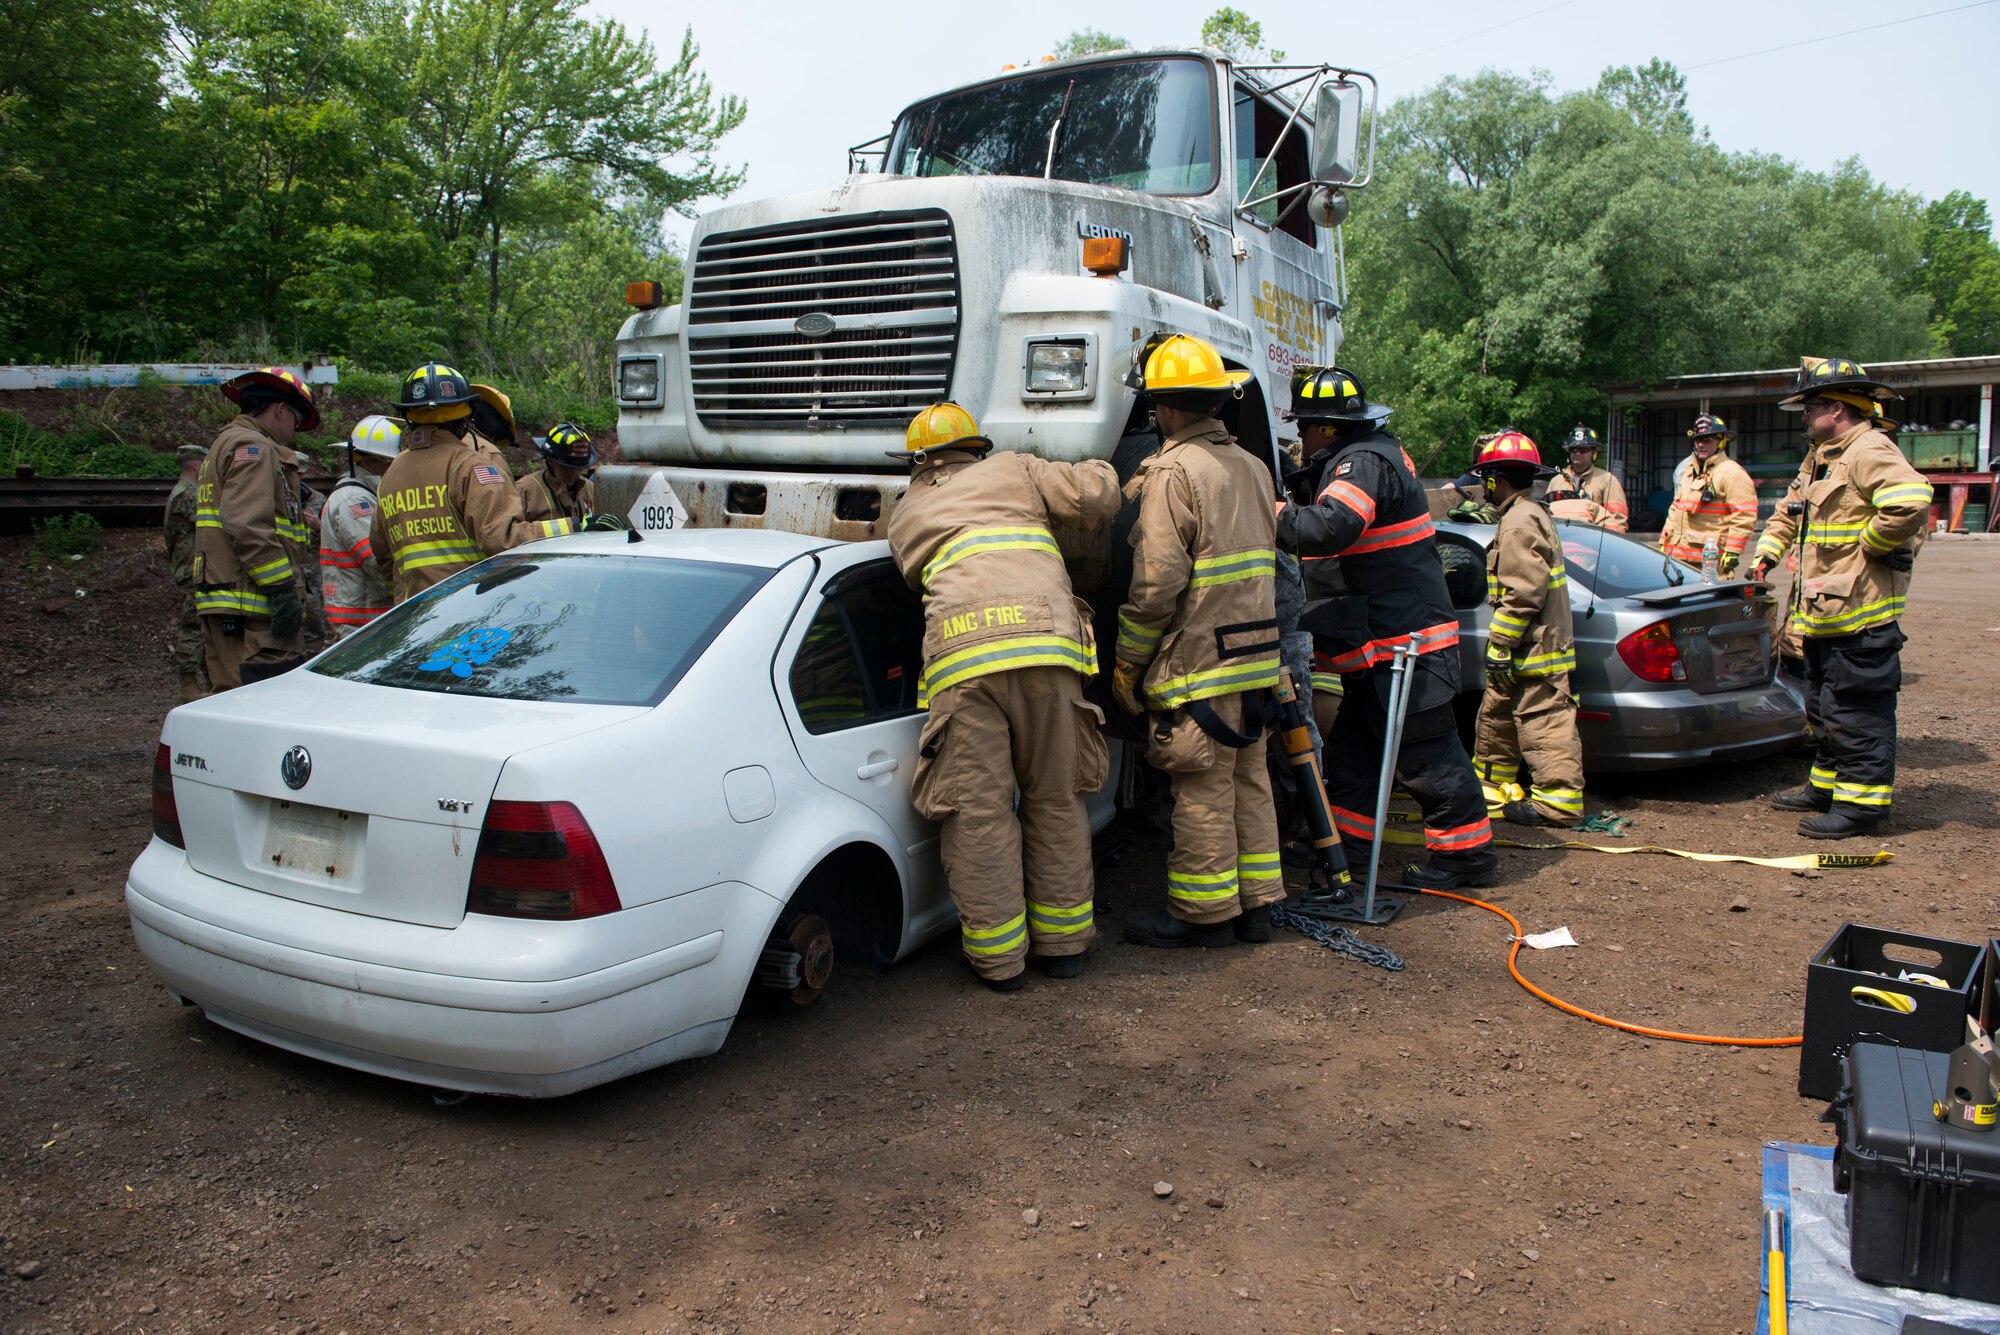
(1593, 1016)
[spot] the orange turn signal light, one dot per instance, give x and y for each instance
(645, 296)
(1105, 255)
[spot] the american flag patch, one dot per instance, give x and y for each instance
(245, 453)
(361, 509)
(486, 473)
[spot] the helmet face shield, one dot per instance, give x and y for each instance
(282, 383)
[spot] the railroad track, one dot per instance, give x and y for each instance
(115, 502)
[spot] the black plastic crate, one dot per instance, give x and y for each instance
(1923, 1196)
(1837, 1017)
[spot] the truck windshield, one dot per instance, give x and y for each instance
(1140, 125)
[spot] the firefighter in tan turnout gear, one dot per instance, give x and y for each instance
(1007, 649)
(1528, 712)
(177, 528)
(351, 583)
(250, 540)
(1713, 498)
(447, 502)
(1585, 492)
(1198, 647)
(1855, 513)
(561, 489)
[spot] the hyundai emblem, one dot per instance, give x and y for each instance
(296, 767)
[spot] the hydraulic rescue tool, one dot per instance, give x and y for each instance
(1329, 879)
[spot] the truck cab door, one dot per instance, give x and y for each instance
(1285, 283)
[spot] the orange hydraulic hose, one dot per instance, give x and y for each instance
(1593, 1016)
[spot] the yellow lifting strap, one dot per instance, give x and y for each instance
(1796, 862)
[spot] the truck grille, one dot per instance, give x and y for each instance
(886, 282)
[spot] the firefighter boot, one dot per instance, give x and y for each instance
(1253, 926)
(1523, 813)
(1444, 871)
(1805, 797)
(1060, 966)
(1011, 983)
(1839, 824)
(1157, 927)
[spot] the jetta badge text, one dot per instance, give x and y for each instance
(813, 324)
(296, 767)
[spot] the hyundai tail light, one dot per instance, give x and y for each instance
(166, 816)
(1651, 654)
(539, 860)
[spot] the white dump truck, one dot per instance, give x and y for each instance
(1011, 245)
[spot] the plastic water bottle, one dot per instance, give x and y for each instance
(1711, 561)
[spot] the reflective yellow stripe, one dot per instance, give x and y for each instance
(1258, 867)
(1226, 680)
(1060, 922)
(1872, 539)
(1137, 638)
(1213, 570)
(1822, 778)
(1569, 801)
(1497, 771)
(291, 528)
(982, 540)
(207, 516)
(1201, 887)
(1328, 682)
(554, 528)
(1902, 493)
(1004, 656)
(1863, 794)
(232, 600)
(272, 572)
(995, 940)
(1543, 665)
(1862, 617)
(1769, 548)
(1558, 577)
(832, 708)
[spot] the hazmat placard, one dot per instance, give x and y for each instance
(658, 509)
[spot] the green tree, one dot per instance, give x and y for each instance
(1238, 36)
(1960, 273)
(1088, 41)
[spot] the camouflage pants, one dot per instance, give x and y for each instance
(187, 639)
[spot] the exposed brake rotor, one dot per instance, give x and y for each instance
(812, 939)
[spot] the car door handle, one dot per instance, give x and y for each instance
(875, 769)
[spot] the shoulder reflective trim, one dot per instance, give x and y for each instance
(1230, 679)
(1137, 638)
(1201, 887)
(1049, 920)
(981, 540)
(232, 600)
(1392, 535)
(1002, 656)
(272, 572)
(1213, 570)
(995, 940)
(1843, 623)
(1353, 497)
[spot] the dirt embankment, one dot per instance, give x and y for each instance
(1348, 1149)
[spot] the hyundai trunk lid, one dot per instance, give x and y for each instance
(362, 798)
(1724, 637)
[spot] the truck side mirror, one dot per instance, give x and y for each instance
(1336, 138)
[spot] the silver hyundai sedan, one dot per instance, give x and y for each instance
(1669, 671)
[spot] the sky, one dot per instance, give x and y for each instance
(1913, 101)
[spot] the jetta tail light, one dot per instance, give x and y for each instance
(1651, 654)
(166, 816)
(539, 860)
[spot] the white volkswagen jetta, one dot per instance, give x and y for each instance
(545, 825)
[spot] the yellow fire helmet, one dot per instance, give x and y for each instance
(1184, 363)
(492, 414)
(938, 427)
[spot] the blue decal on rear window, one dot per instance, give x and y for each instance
(475, 648)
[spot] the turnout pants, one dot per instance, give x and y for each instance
(1225, 854)
(227, 655)
(1431, 765)
(1851, 686)
(1534, 721)
(1020, 878)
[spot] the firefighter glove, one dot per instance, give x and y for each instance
(1727, 562)
(288, 611)
(1901, 560)
(606, 523)
(1499, 668)
(1125, 686)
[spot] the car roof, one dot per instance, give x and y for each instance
(766, 548)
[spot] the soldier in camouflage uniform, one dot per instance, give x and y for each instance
(178, 529)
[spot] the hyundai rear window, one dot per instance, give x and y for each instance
(580, 628)
(1614, 567)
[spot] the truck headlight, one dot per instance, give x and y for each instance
(1058, 367)
(639, 379)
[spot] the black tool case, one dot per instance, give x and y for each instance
(1923, 1196)
(1839, 1011)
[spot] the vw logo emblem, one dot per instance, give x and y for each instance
(296, 767)
(814, 324)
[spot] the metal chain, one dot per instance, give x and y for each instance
(1336, 938)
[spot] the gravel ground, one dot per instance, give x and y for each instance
(1342, 1149)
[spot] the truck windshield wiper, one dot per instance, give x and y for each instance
(1049, 163)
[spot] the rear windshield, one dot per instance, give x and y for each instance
(576, 627)
(1614, 567)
